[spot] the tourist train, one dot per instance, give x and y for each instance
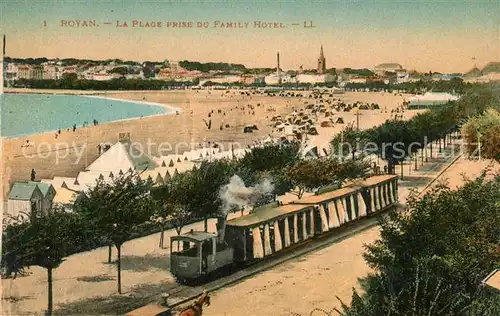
(270, 230)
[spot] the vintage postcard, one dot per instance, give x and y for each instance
(250, 157)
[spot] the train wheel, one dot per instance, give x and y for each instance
(181, 280)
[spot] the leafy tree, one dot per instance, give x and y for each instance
(270, 157)
(119, 70)
(70, 76)
(202, 190)
(348, 141)
(172, 204)
(206, 67)
(312, 174)
(432, 259)
(484, 129)
(43, 241)
(115, 209)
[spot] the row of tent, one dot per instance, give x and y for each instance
(119, 159)
(164, 168)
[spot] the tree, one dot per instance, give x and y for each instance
(122, 70)
(348, 141)
(432, 259)
(484, 130)
(43, 241)
(114, 209)
(201, 188)
(172, 204)
(312, 174)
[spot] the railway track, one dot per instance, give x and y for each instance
(181, 295)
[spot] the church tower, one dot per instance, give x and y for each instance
(321, 62)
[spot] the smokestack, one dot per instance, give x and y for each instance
(278, 62)
(221, 228)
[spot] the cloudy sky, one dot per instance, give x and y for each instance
(423, 35)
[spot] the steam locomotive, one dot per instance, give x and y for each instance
(270, 230)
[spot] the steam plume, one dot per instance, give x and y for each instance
(236, 195)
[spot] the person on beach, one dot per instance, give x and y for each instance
(74, 127)
(33, 175)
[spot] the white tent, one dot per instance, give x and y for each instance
(114, 159)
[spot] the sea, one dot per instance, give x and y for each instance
(26, 114)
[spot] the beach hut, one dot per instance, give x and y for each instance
(339, 121)
(24, 198)
(65, 198)
(48, 193)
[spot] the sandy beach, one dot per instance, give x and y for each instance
(71, 152)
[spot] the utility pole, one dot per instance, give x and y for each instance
(357, 120)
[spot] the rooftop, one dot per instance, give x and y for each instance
(388, 65)
(64, 196)
(266, 214)
(349, 188)
(493, 279)
(44, 187)
(313, 199)
(122, 156)
(23, 191)
(195, 236)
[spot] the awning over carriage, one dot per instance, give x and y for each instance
(269, 230)
(265, 215)
(356, 199)
(194, 236)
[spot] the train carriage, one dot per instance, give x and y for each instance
(269, 230)
(198, 254)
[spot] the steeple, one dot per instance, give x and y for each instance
(321, 62)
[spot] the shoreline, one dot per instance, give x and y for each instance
(165, 106)
(173, 111)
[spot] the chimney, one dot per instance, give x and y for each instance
(221, 228)
(278, 64)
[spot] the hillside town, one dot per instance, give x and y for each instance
(213, 74)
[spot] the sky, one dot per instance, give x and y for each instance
(441, 36)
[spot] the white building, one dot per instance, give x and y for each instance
(51, 72)
(272, 79)
(10, 71)
(381, 69)
(314, 79)
(226, 79)
(430, 99)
